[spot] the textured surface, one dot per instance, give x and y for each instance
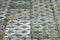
(29, 20)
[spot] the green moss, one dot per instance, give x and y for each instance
(42, 15)
(30, 11)
(10, 31)
(11, 26)
(15, 0)
(8, 11)
(45, 34)
(6, 19)
(38, 31)
(17, 35)
(18, 24)
(57, 24)
(49, 22)
(24, 26)
(44, 24)
(52, 7)
(53, 11)
(1, 21)
(37, 26)
(24, 38)
(50, 26)
(53, 38)
(38, 37)
(30, 24)
(59, 35)
(51, 4)
(40, 5)
(45, 0)
(56, 0)
(36, 7)
(46, 6)
(43, 19)
(41, 1)
(55, 19)
(31, 34)
(1, 12)
(24, 22)
(0, 4)
(7, 14)
(25, 17)
(35, 0)
(1, 39)
(10, 37)
(19, 10)
(25, 0)
(12, 21)
(24, 31)
(31, 28)
(44, 29)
